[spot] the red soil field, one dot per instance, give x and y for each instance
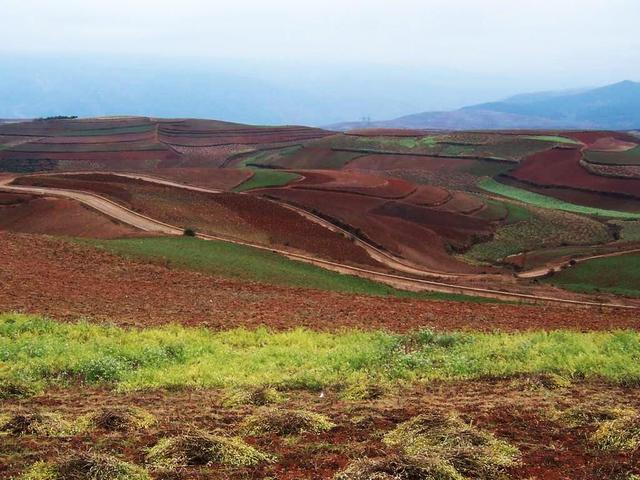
(411, 162)
(316, 158)
(205, 132)
(99, 139)
(410, 231)
(459, 230)
(461, 202)
(611, 144)
(354, 182)
(238, 216)
(429, 196)
(57, 216)
(590, 137)
(67, 282)
(590, 199)
(57, 127)
(116, 157)
(447, 172)
(118, 161)
(560, 167)
(215, 156)
(215, 178)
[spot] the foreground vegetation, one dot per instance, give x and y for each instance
(36, 352)
(616, 275)
(246, 263)
(491, 185)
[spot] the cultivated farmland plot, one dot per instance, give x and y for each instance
(191, 299)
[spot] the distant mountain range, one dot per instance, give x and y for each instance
(613, 107)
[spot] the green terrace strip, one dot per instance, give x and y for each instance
(263, 178)
(628, 157)
(37, 353)
(542, 201)
(245, 263)
(616, 275)
(553, 138)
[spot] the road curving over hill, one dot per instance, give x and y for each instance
(381, 256)
(148, 224)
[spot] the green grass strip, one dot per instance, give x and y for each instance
(616, 275)
(266, 178)
(38, 351)
(553, 138)
(246, 263)
(542, 201)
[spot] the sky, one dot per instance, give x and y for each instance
(515, 45)
(510, 36)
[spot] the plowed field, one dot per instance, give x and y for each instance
(68, 281)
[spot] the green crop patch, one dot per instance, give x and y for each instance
(543, 201)
(616, 275)
(527, 229)
(251, 264)
(266, 178)
(629, 157)
(553, 139)
(267, 158)
(38, 350)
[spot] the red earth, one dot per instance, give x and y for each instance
(354, 182)
(611, 144)
(407, 230)
(515, 410)
(120, 160)
(560, 167)
(315, 157)
(429, 196)
(438, 171)
(214, 178)
(207, 132)
(590, 137)
(57, 216)
(68, 281)
(99, 139)
(233, 215)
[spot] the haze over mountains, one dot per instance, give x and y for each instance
(612, 107)
(304, 94)
(243, 91)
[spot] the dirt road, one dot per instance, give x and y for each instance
(148, 224)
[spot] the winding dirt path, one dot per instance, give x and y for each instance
(381, 256)
(145, 223)
(560, 265)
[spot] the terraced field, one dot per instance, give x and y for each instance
(234, 216)
(551, 203)
(629, 157)
(317, 327)
(529, 229)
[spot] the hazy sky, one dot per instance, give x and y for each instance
(596, 40)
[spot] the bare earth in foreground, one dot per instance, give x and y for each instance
(65, 281)
(518, 411)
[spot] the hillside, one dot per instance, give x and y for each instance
(394, 304)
